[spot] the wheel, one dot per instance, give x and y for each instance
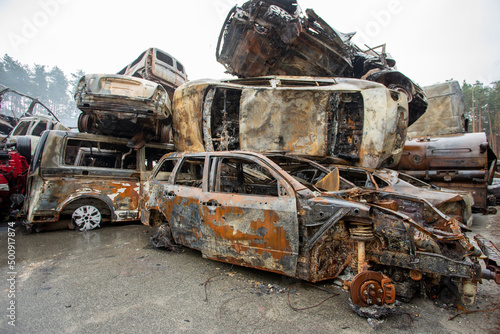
(23, 147)
(165, 134)
(86, 217)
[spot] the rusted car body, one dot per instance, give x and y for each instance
(439, 151)
(157, 66)
(407, 194)
(123, 106)
(32, 127)
(274, 37)
(83, 179)
(291, 216)
(359, 121)
(460, 161)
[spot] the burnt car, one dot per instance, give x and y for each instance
(293, 217)
(407, 194)
(80, 180)
(157, 66)
(359, 121)
(30, 122)
(275, 37)
(31, 127)
(123, 106)
(457, 161)
(439, 150)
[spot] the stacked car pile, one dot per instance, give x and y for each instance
(272, 171)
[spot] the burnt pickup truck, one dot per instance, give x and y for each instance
(294, 217)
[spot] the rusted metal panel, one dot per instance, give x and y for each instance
(356, 120)
(302, 127)
(445, 113)
(187, 117)
(460, 161)
(466, 151)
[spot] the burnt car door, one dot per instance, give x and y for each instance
(180, 201)
(249, 214)
(153, 189)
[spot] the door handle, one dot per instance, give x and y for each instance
(169, 194)
(211, 204)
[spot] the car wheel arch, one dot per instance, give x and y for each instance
(103, 203)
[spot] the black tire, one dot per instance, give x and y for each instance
(23, 146)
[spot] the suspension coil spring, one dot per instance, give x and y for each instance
(361, 231)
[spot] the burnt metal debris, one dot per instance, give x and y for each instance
(274, 37)
(439, 150)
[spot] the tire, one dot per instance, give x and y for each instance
(23, 146)
(86, 218)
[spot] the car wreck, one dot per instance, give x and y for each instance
(81, 180)
(157, 66)
(359, 121)
(9, 119)
(439, 150)
(406, 193)
(274, 37)
(294, 217)
(123, 106)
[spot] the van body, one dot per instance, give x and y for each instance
(158, 66)
(84, 179)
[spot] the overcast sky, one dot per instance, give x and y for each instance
(431, 40)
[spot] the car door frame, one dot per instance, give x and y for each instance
(246, 229)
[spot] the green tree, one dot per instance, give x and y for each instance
(15, 75)
(58, 88)
(483, 108)
(40, 84)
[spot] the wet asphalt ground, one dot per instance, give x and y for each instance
(112, 280)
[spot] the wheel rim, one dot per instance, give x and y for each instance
(87, 217)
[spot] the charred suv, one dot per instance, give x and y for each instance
(359, 121)
(294, 218)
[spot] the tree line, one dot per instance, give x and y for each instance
(482, 108)
(51, 86)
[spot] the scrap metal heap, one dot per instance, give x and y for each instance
(274, 37)
(440, 151)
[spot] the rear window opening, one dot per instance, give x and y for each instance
(99, 155)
